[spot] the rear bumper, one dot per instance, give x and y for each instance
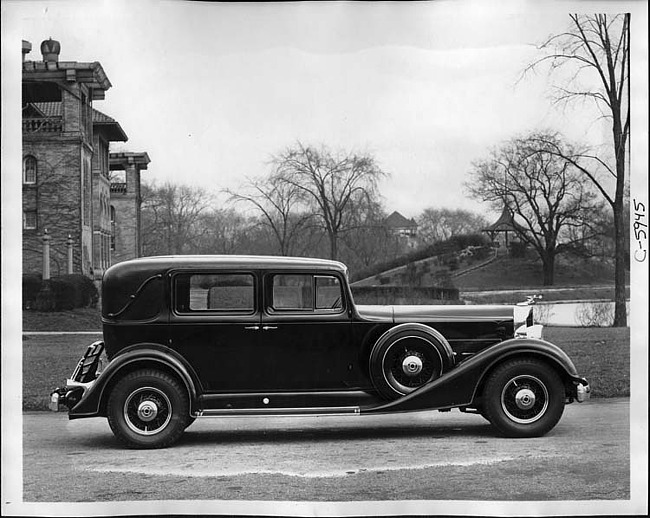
(66, 397)
(82, 379)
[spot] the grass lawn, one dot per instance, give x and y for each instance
(47, 362)
(600, 354)
(80, 319)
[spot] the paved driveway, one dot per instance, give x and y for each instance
(419, 456)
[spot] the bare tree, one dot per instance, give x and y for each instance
(368, 239)
(547, 194)
(279, 204)
(599, 45)
(171, 218)
(225, 231)
(441, 224)
(332, 184)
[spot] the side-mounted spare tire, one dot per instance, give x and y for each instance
(407, 357)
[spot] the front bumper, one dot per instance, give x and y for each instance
(82, 379)
(583, 391)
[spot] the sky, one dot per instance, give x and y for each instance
(212, 91)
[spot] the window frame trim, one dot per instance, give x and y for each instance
(270, 310)
(213, 312)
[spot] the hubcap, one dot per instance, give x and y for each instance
(524, 399)
(147, 411)
(411, 362)
(412, 365)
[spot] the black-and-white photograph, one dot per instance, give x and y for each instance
(324, 258)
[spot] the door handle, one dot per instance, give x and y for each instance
(253, 328)
(267, 328)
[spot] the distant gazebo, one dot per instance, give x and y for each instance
(506, 223)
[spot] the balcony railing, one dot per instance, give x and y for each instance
(43, 125)
(118, 188)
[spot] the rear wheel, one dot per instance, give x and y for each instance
(148, 409)
(524, 398)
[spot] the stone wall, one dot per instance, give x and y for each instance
(56, 197)
(378, 295)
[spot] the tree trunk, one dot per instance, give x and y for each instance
(620, 138)
(548, 268)
(620, 309)
(334, 248)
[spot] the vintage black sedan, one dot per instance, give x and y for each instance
(210, 336)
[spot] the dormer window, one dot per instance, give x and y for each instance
(29, 170)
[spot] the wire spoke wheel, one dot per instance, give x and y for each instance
(410, 363)
(147, 411)
(407, 357)
(148, 408)
(524, 399)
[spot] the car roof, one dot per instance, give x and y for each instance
(230, 261)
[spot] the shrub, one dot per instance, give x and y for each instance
(31, 286)
(543, 313)
(60, 293)
(517, 249)
(64, 293)
(595, 314)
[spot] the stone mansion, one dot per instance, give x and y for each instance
(76, 194)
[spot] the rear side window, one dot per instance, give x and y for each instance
(215, 292)
(300, 292)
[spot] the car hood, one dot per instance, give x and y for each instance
(435, 313)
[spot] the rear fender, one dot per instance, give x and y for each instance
(146, 355)
(459, 386)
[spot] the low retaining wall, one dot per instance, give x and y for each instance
(404, 295)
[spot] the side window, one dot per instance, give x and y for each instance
(328, 293)
(306, 293)
(215, 292)
(292, 292)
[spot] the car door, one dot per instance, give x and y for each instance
(214, 325)
(306, 333)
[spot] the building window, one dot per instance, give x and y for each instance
(29, 170)
(112, 228)
(29, 220)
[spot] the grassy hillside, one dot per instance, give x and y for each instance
(509, 273)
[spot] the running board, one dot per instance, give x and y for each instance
(279, 412)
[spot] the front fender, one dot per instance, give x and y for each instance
(148, 354)
(458, 386)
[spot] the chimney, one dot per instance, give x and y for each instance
(50, 50)
(27, 48)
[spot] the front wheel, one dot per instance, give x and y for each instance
(524, 398)
(148, 409)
